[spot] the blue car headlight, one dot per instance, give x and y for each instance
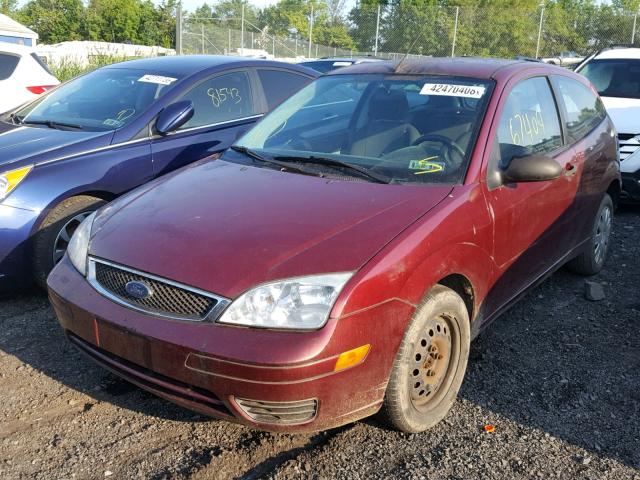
(11, 179)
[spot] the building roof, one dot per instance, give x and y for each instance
(9, 25)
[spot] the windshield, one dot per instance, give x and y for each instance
(105, 99)
(614, 78)
(407, 129)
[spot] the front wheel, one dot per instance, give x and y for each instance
(52, 238)
(430, 364)
(592, 259)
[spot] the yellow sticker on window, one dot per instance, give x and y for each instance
(426, 165)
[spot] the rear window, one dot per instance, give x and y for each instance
(40, 62)
(584, 110)
(614, 78)
(278, 85)
(8, 64)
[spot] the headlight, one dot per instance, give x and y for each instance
(10, 180)
(301, 303)
(78, 248)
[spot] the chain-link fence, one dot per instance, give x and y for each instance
(391, 31)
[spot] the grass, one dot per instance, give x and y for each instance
(68, 69)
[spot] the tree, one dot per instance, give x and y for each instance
(8, 6)
(114, 20)
(54, 20)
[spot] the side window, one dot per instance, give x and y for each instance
(220, 99)
(279, 85)
(8, 64)
(529, 125)
(584, 109)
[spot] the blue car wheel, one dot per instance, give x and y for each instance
(53, 236)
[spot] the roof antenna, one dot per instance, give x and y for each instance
(413, 44)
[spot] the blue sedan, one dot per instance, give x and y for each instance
(107, 132)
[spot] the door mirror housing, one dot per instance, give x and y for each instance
(174, 116)
(531, 168)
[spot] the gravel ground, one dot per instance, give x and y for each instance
(558, 376)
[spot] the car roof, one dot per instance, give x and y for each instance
(186, 65)
(619, 53)
(15, 48)
(482, 68)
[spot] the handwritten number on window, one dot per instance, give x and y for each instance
(526, 129)
(224, 94)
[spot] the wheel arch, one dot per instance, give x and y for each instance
(463, 287)
(614, 190)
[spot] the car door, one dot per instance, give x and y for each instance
(531, 221)
(225, 105)
(594, 144)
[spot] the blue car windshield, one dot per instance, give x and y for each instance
(106, 99)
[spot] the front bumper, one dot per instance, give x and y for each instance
(630, 187)
(16, 225)
(215, 369)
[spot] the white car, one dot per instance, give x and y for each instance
(565, 59)
(23, 76)
(615, 73)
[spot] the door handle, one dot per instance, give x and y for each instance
(570, 169)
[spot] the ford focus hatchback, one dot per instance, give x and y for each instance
(340, 258)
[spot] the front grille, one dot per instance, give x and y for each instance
(166, 298)
(279, 412)
(627, 143)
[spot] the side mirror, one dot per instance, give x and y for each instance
(531, 168)
(174, 116)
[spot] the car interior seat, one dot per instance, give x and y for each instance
(388, 127)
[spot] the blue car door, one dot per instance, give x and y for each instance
(226, 104)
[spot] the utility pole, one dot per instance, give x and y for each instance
(633, 33)
(179, 28)
(242, 31)
(540, 30)
(455, 33)
(375, 52)
(310, 30)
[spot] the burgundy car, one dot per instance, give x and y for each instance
(339, 259)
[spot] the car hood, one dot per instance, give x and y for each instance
(224, 227)
(21, 144)
(624, 112)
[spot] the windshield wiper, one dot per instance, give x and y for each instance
(53, 124)
(15, 119)
(340, 165)
(256, 156)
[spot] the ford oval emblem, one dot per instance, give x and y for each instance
(138, 290)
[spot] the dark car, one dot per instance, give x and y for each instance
(322, 271)
(102, 134)
(327, 64)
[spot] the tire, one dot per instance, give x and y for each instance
(592, 259)
(421, 392)
(55, 232)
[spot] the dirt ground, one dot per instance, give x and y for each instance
(558, 376)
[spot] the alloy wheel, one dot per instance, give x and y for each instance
(603, 232)
(64, 235)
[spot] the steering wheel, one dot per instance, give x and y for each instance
(434, 137)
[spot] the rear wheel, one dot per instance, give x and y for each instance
(52, 238)
(592, 259)
(430, 364)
